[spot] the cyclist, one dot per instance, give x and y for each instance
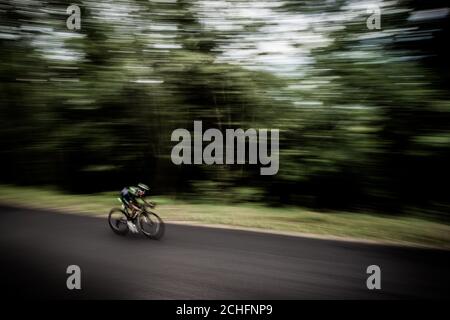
(129, 196)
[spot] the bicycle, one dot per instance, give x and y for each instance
(142, 220)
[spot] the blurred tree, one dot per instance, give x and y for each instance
(363, 114)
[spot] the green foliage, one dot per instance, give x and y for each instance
(363, 114)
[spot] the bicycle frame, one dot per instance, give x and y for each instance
(126, 209)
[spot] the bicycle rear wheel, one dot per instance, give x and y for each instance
(117, 220)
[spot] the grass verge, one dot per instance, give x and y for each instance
(406, 230)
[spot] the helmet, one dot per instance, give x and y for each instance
(143, 188)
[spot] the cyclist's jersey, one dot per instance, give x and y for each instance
(129, 194)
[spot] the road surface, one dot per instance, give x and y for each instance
(191, 262)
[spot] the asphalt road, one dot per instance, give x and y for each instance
(202, 263)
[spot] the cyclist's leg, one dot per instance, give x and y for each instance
(134, 207)
(126, 201)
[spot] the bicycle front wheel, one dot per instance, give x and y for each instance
(151, 225)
